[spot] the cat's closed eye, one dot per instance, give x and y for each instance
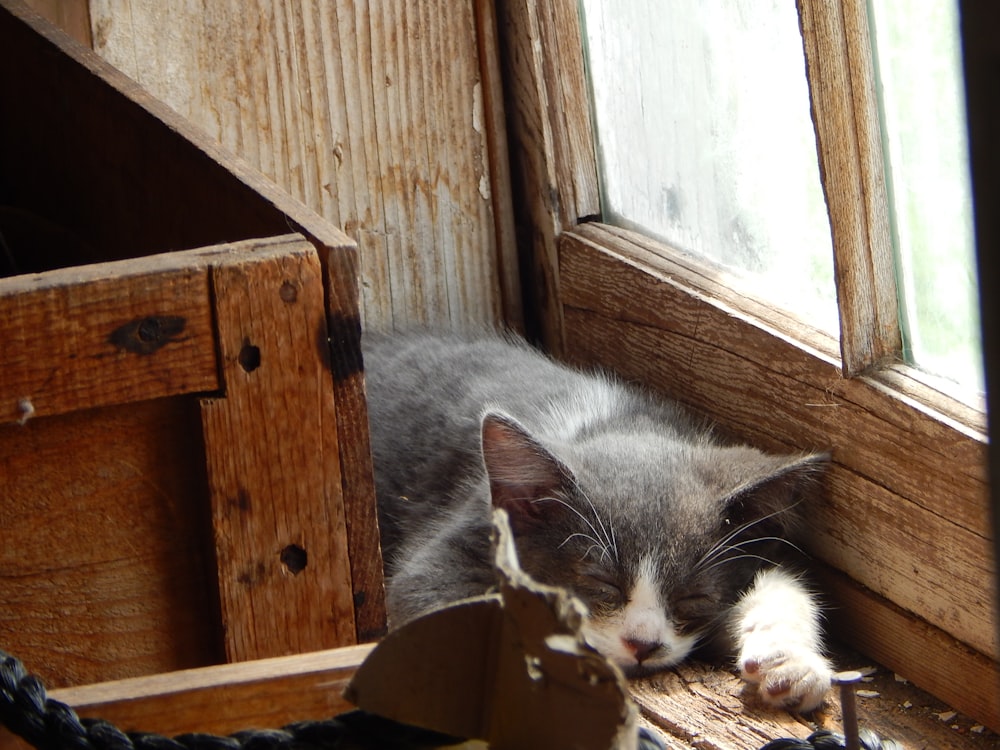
(604, 588)
(694, 605)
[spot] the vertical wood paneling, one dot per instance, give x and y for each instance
(373, 114)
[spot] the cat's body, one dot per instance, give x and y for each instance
(661, 531)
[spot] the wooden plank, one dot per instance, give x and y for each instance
(105, 563)
(495, 127)
(371, 114)
(552, 140)
(263, 694)
(115, 134)
(901, 501)
(273, 460)
(105, 334)
(842, 88)
(344, 327)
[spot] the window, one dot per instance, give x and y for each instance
(903, 537)
(704, 139)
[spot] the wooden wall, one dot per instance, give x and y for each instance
(385, 118)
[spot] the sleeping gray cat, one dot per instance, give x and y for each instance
(666, 535)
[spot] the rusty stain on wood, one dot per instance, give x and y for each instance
(77, 363)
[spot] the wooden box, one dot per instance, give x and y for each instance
(185, 473)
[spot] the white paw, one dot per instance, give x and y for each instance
(796, 680)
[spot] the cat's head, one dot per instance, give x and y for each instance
(657, 536)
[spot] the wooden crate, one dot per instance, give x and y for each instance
(184, 456)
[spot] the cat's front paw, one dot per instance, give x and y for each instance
(789, 679)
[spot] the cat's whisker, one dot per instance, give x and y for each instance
(604, 552)
(595, 544)
(720, 550)
(715, 561)
(723, 544)
(614, 542)
(597, 534)
(608, 538)
(747, 556)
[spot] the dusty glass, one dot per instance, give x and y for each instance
(705, 140)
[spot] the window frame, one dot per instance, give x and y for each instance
(907, 485)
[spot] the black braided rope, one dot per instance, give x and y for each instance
(824, 739)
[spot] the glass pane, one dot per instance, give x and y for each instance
(705, 140)
(923, 116)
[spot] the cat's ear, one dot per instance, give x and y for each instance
(776, 494)
(525, 478)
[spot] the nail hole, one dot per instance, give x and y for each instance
(249, 357)
(294, 558)
(288, 292)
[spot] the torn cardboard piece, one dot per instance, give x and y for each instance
(511, 669)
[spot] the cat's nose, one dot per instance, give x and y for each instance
(642, 650)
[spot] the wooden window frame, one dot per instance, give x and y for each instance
(907, 487)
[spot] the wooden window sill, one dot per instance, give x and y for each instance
(709, 707)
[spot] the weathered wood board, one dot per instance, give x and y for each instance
(385, 118)
(274, 464)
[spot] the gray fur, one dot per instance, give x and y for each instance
(597, 475)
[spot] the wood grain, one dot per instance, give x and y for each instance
(84, 337)
(273, 460)
(709, 707)
(842, 89)
(105, 570)
(616, 273)
(129, 176)
(901, 501)
(551, 139)
(373, 115)
(495, 125)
